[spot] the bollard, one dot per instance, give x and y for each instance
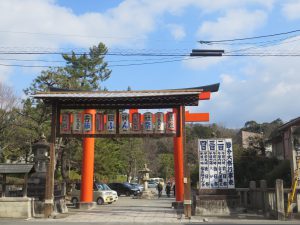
(298, 202)
(263, 191)
(252, 191)
(280, 200)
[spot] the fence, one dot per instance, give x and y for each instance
(270, 201)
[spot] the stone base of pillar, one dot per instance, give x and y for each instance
(86, 205)
(216, 202)
(147, 195)
(177, 205)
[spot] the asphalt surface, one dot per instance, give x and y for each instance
(128, 210)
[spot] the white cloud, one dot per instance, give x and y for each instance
(202, 63)
(267, 89)
(129, 25)
(227, 79)
(234, 23)
(117, 26)
(4, 71)
(177, 31)
(291, 10)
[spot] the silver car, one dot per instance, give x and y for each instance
(99, 196)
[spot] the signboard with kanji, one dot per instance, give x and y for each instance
(216, 164)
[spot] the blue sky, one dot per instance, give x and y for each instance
(251, 88)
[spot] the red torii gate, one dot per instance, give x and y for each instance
(176, 99)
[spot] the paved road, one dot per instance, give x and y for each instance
(137, 211)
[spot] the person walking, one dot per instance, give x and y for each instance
(159, 189)
(174, 189)
(168, 189)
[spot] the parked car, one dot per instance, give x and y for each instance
(124, 189)
(152, 184)
(99, 196)
(136, 185)
(105, 187)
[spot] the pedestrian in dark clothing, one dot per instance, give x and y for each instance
(168, 189)
(174, 189)
(159, 189)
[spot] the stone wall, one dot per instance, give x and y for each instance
(15, 207)
(216, 202)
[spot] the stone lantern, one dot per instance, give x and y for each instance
(37, 181)
(41, 152)
(144, 174)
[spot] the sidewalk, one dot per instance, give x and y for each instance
(157, 211)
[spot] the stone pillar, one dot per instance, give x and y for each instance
(245, 196)
(63, 188)
(298, 202)
(3, 185)
(263, 191)
(279, 199)
(252, 187)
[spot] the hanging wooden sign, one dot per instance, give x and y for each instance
(159, 122)
(136, 122)
(148, 124)
(87, 123)
(124, 122)
(111, 123)
(99, 122)
(171, 124)
(65, 125)
(77, 123)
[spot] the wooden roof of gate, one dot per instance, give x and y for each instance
(9, 168)
(74, 99)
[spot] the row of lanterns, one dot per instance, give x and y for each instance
(82, 123)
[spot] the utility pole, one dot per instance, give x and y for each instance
(187, 180)
(49, 196)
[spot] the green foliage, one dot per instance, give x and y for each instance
(107, 158)
(166, 165)
(132, 156)
(281, 171)
(194, 174)
(74, 175)
(248, 166)
(86, 70)
(82, 71)
(265, 128)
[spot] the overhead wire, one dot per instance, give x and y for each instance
(249, 38)
(157, 56)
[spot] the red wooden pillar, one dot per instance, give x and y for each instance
(178, 155)
(87, 176)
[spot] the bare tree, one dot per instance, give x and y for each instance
(8, 101)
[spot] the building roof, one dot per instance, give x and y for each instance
(292, 122)
(125, 99)
(9, 168)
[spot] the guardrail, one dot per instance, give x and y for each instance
(270, 201)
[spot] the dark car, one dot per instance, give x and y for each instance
(124, 189)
